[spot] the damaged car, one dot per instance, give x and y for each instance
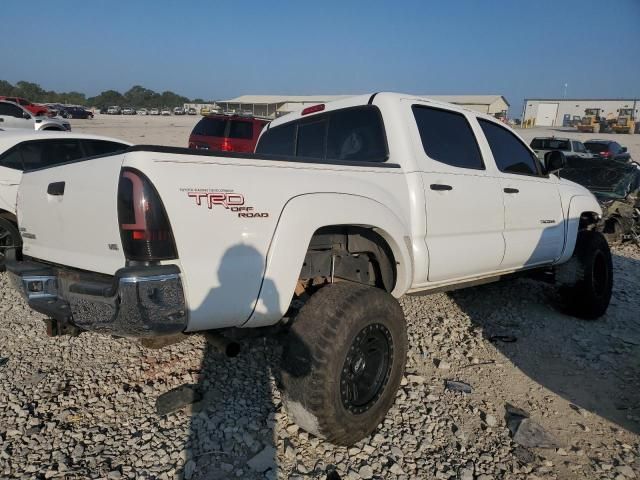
(616, 185)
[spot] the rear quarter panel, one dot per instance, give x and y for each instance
(224, 212)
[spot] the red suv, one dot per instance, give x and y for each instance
(227, 133)
(32, 107)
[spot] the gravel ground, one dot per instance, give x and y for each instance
(84, 407)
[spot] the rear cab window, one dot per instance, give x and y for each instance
(509, 152)
(353, 134)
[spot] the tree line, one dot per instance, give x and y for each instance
(137, 96)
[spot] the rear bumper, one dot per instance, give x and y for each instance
(142, 301)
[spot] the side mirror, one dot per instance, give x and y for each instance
(554, 161)
(623, 150)
(26, 115)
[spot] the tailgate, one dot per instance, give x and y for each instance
(68, 214)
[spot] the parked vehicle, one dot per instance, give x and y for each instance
(543, 145)
(192, 111)
(75, 112)
(165, 111)
(128, 111)
(178, 111)
(205, 110)
(143, 111)
(104, 110)
(608, 149)
(34, 108)
(227, 133)
(23, 151)
(114, 110)
(154, 111)
(625, 121)
(13, 115)
(343, 207)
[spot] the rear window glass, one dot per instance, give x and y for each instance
(210, 127)
(44, 154)
(242, 130)
(100, 147)
(12, 159)
(311, 136)
(353, 134)
(447, 137)
(549, 144)
(278, 140)
(596, 147)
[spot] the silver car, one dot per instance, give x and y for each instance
(13, 115)
(573, 148)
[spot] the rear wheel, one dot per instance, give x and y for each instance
(587, 279)
(343, 361)
(10, 241)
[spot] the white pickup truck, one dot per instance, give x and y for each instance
(343, 208)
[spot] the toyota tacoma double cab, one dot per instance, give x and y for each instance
(342, 208)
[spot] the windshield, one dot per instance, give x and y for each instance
(549, 144)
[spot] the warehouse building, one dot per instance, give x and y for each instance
(272, 106)
(549, 112)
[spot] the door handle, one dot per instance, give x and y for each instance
(56, 188)
(511, 190)
(439, 186)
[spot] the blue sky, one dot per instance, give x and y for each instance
(220, 49)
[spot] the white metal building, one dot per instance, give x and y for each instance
(272, 106)
(553, 112)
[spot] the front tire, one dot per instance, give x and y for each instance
(343, 361)
(588, 277)
(10, 242)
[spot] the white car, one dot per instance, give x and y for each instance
(165, 111)
(114, 110)
(343, 208)
(154, 111)
(143, 111)
(13, 115)
(23, 151)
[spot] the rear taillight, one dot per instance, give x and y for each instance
(144, 226)
(226, 146)
(605, 153)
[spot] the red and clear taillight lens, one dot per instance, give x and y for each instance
(144, 226)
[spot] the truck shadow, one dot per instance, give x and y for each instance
(237, 404)
(595, 365)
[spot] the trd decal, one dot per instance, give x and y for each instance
(229, 200)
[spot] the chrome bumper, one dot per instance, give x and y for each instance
(136, 302)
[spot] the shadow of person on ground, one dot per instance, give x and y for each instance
(592, 364)
(235, 401)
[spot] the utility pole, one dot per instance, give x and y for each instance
(564, 90)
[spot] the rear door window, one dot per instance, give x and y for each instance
(510, 154)
(596, 147)
(241, 130)
(357, 134)
(447, 137)
(10, 110)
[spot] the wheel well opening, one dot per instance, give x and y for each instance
(348, 253)
(8, 216)
(588, 220)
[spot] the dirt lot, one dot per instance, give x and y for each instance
(85, 407)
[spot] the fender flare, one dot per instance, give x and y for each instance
(292, 236)
(577, 205)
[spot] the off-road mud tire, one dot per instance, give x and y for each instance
(14, 238)
(587, 277)
(336, 322)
